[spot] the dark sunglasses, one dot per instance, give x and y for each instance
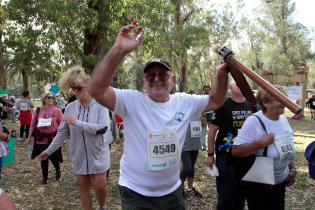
(163, 76)
(50, 97)
(77, 88)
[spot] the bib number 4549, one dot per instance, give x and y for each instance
(164, 149)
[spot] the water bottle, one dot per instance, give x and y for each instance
(29, 151)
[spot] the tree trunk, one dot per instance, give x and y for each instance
(183, 73)
(3, 79)
(25, 80)
(183, 54)
(94, 37)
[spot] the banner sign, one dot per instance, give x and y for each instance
(295, 92)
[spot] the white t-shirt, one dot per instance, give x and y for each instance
(141, 115)
(252, 131)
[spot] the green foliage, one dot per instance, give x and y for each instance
(44, 37)
(284, 43)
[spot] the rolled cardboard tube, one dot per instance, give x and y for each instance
(230, 60)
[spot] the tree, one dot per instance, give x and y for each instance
(3, 73)
(286, 41)
(28, 41)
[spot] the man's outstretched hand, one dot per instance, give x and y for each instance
(129, 37)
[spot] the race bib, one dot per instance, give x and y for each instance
(163, 150)
(313, 102)
(195, 129)
(23, 106)
(44, 122)
(285, 146)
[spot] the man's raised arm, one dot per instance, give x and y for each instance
(218, 91)
(128, 39)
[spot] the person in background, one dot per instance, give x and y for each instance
(71, 97)
(277, 136)
(12, 108)
(190, 154)
(311, 103)
(309, 155)
(86, 125)
(206, 90)
(4, 149)
(155, 124)
(54, 88)
(25, 107)
(229, 118)
(120, 125)
(44, 125)
(4, 106)
(60, 102)
(114, 131)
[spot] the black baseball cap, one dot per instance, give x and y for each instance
(158, 61)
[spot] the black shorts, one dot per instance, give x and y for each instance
(131, 200)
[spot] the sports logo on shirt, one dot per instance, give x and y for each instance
(227, 143)
(179, 116)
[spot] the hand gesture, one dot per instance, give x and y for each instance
(43, 156)
(129, 37)
(267, 140)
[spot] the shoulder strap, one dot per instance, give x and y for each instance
(261, 123)
(264, 127)
(110, 114)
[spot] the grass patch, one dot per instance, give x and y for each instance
(22, 180)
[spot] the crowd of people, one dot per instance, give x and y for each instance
(163, 134)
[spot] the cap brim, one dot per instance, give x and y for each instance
(147, 67)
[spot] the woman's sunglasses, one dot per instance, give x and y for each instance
(162, 76)
(77, 88)
(50, 97)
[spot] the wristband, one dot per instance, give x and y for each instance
(292, 169)
(210, 154)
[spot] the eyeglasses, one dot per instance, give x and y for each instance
(163, 76)
(50, 97)
(77, 88)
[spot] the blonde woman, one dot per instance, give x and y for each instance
(85, 122)
(45, 124)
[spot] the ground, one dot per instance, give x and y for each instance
(22, 180)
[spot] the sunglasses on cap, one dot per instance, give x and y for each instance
(77, 88)
(162, 76)
(50, 97)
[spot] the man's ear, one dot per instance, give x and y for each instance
(173, 78)
(173, 85)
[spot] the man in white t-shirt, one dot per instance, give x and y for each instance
(155, 124)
